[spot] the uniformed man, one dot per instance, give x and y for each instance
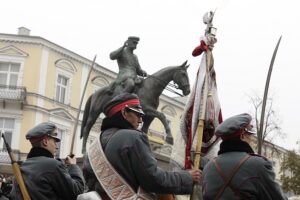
(45, 177)
(238, 173)
(128, 151)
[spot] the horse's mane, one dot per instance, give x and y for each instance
(163, 70)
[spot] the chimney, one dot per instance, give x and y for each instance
(23, 31)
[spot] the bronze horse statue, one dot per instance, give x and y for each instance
(148, 91)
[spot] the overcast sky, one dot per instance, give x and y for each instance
(169, 30)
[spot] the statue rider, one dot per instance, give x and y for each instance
(129, 66)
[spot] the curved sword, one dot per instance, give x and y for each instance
(261, 125)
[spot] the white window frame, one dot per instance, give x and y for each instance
(18, 60)
(69, 76)
(66, 126)
(64, 138)
(67, 69)
(17, 116)
(169, 110)
(60, 96)
(13, 132)
(9, 73)
(62, 132)
(97, 85)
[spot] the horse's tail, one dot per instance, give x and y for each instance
(85, 115)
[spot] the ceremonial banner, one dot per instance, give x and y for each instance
(202, 113)
(203, 98)
(185, 141)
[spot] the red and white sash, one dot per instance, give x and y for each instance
(113, 184)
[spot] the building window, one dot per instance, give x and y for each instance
(65, 71)
(9, 73)
(60, 135)
(62, 88)
(169, 110)
(7, 125)
(99, 82)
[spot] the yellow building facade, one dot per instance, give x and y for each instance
(42, 81)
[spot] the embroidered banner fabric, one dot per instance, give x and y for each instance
(113, 184)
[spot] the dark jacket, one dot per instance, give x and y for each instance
(255, 179)
(48, 179)
(129, 153)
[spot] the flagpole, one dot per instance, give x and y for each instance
(209, 31)
(200, 126)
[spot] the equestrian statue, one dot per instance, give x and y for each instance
(148, 89)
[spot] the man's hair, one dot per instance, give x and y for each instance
(37, 144)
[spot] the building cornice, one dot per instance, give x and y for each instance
(37, 40)
(272, 145)
(107, 74)
(49, 112)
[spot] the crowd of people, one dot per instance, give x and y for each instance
(5, 187)
(123, 152)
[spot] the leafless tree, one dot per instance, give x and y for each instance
(272, 122)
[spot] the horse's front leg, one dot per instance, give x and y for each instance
(147, 119)
(154, 113)
(92, 118)
(90, 122)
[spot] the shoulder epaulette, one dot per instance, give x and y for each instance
(257, 155)
(139, 131)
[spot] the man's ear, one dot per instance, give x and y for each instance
(123, 113)
(242, 136)
(44, 142)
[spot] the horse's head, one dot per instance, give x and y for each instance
(181, 78)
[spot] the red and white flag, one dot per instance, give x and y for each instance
(185, 142)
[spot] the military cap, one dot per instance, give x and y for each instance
(235, 126)
(41, 131)
(125, 100)
(133, 38)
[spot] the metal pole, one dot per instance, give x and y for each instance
(79, 109)
(263, 108)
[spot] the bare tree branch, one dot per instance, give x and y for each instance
(272, 123)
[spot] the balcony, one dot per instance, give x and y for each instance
(12, 93)
(4, 157)
(5, 162)
(157, 134)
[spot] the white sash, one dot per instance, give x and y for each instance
(113, 184)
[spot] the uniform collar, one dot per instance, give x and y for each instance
(39, 151)
(234, 145)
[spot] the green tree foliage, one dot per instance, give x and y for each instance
(290, 169)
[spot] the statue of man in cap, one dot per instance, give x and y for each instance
(238, 173)
(129, 67)
(44, 176)
(128, 151)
